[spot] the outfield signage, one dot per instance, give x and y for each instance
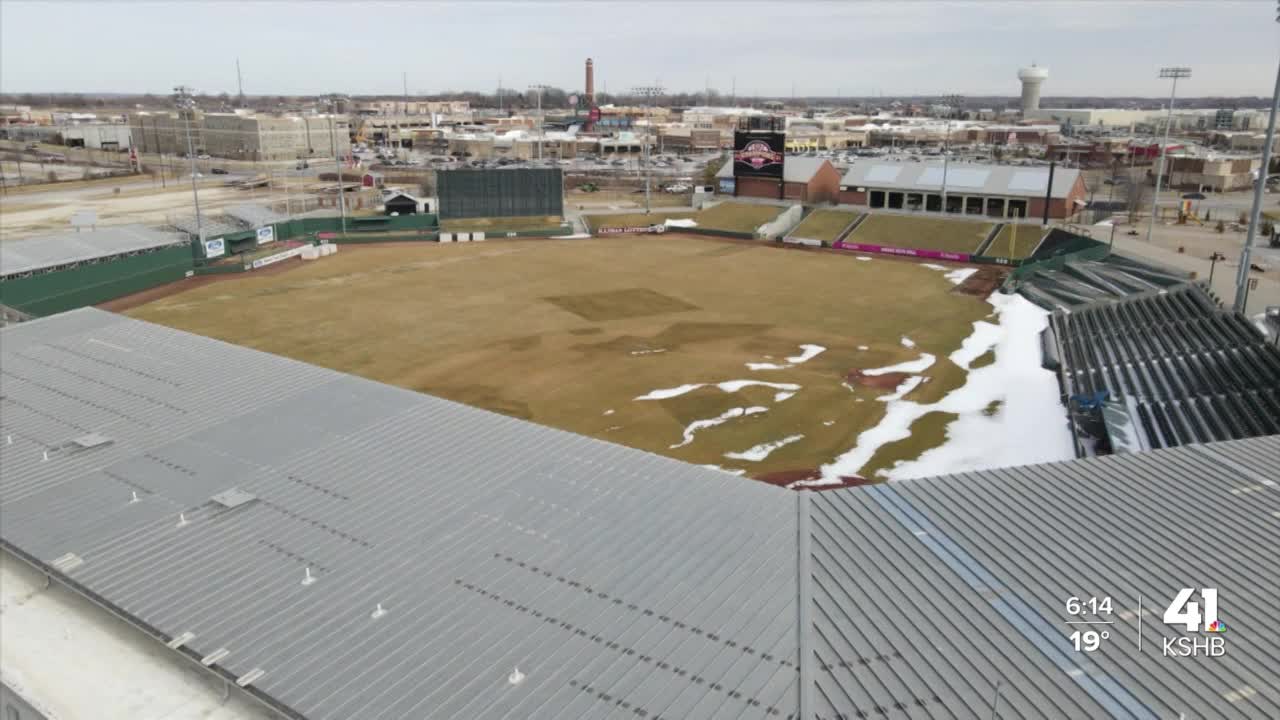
(266, 234)
(758, 153)
(628, 230)
(910, 252)
(215, 248)
(272, 259)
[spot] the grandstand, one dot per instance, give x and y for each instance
(327, 546)
(1165, 368)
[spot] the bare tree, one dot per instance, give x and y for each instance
(1138, 192)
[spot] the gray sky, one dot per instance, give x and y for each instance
(1091, 47)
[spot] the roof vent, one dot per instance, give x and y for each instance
(235, 497)
(92, 440)
(67, 562)
(516, 677)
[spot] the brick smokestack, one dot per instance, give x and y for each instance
(591, 85)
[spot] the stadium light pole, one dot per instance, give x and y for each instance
(540, 89)
(331, 104)
(953, 102)
(186, 103)
(1242, 275)
(1172, 73)
(648, 92)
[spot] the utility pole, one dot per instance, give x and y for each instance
(186, 104)
(1173, 73)
(953, 102)
(539, 89)
(332, 103)
(239, 84)
(1242, 276)
(648, 92)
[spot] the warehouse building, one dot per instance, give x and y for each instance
(804, 179)
(164, 133)
(972, 189)
(494, 568)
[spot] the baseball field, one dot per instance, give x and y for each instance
(726, 353)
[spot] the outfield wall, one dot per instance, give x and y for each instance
(90, 284)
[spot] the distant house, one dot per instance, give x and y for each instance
(404, 204)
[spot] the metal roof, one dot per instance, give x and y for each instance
(1005, 180)
(448, 546)
(46, 251)
(795, 168)
(1082, 282)
(254, 216)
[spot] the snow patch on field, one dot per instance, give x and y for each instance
(648, 352)
(729, 386)
(863, 348)
(762, 451)
(959, 276)
(725, 470)
(1028, 427)
(807, 353)
(919, 365)
(985, 336)
(905, 387)
(828, 423)
(779, 397)
(908, 342)
(931, 266)
(608, 412)
(720, 419)
(681, 222)
(862, 257)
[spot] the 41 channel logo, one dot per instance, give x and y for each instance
(1185, 613)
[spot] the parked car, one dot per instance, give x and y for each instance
(218, 171)
(203, 156)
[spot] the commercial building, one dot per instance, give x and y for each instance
(1103, 117)
(804, 179)
(242, 135)
(164, 132)
(98, 136)
(693, 140)
(1211, 173)
(971, 189)
(324, 546)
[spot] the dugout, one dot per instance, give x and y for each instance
(500, 193)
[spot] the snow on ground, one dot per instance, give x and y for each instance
(725, 470)
(862, 257)
(681, 223)
(608, 412)
(779, 397)
(919, 365)
(575, 236)
(766, 366)
(908, 342)
(863, 347)
(931, 266)
(984, 337)
(648, 352)
(1028, 427)
(828, 423)
(70, 659)
(959, 276)
(903, 388)
(723, 417)
(762, 451)
(807, 353)
(729, 386)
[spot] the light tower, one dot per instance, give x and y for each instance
(1031, 78)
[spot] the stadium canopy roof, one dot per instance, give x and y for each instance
(979, 179)
(47, 251)
(447, 546)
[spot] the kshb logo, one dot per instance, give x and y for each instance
(1186, 613)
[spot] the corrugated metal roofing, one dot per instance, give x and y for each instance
(449, 546)
(46, 251)
(1004, 180)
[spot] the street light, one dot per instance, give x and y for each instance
(540, 89)
(647, 92)
(953, 103)
(331, 103)
(186, 104)
(1172, 73)
(1242, 276)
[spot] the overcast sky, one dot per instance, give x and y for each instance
(853, 48)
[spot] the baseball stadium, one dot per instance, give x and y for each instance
(771, 455)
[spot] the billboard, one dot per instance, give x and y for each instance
(758, 153)
(500, 193)
(215, 248)
(266, 234)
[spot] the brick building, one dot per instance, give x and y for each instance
(804, 179)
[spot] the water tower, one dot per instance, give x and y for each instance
(1031, 78)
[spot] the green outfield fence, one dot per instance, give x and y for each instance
(90, 284)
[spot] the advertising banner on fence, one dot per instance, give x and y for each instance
(911, 252)
(758, 153)
(215, 248)
(266, 234)
(272, 259)
(636, 229)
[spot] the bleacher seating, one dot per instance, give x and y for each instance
(1190, 370)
